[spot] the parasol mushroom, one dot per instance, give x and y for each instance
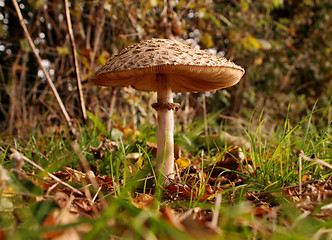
(167, 66)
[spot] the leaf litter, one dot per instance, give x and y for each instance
(212, 182)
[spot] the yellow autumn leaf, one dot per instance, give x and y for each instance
(36, 4)
(244, 5)
(62, 50)
(25, 45)
(207, 40)
(143, 201)
(182, 162)
(140, 162)
(253, 42)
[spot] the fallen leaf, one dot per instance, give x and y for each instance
(144, 201)
(182, 162)
(60, 217)
(106, 183)
(2, 234)
(104, 146)
(232, 160)
(171, 217)
(152, 147)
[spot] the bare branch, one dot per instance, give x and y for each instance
(34, 50)
(19, 157)
(111, 109)
(86, 167)
(301, 154)
(98, 32)
(77, 68)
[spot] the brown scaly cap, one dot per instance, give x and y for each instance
(187, 68)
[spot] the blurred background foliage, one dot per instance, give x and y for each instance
(284, 46)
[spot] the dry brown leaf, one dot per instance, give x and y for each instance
(194, 191)
(2, 234)
(152, 147)
(197, 224)
(63, 217)
(106, 183)
(144, 201)
(233, 160)
(313, 194)
(104, 146)
(171, 217)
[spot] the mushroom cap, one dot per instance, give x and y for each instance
(187, 68)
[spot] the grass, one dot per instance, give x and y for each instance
(260, 199)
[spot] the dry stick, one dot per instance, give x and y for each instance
(301, 156)
(206, 129)
(215, 216)
(13, 92)
(19, 157)
(34, 50)
(163, 14)
(49, 30)
(112, 104)
(96, 40)
(300, 177)
(89, 27)
(23, 85)
(86, 167)
(186, 111)
(133, 112)
(187, 6)
(315, 160)
(77, 68)
(303, 184)
(2, 82)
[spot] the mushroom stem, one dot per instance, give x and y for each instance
(165, 142)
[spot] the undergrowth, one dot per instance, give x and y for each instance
(262, 197)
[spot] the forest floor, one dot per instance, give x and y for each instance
(101, 185)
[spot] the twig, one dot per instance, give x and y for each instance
(301, 154)
(19, 157)
(215, 216)
(34, 50)
(300, 176)
(186, 7)
(112, 104)
(96, 44)
(13, 94)
(303, 184)
(86, 167)
(206, 128)
(96, 195)
(98, 32)
(77, 68)
(89, 27)
(186, 111)
(23, 79)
